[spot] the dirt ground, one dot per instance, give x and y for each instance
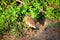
(43, 33)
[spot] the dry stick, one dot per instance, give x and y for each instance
(20, 1)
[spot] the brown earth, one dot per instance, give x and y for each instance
(43, 33)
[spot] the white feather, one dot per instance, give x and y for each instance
(30, 25)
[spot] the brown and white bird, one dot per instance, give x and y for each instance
(29, 21)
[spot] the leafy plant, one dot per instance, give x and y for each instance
(52, 14)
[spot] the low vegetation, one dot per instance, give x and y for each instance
(12, 12)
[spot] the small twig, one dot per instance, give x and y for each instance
(20, 1)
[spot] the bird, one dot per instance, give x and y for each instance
(30, 21)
